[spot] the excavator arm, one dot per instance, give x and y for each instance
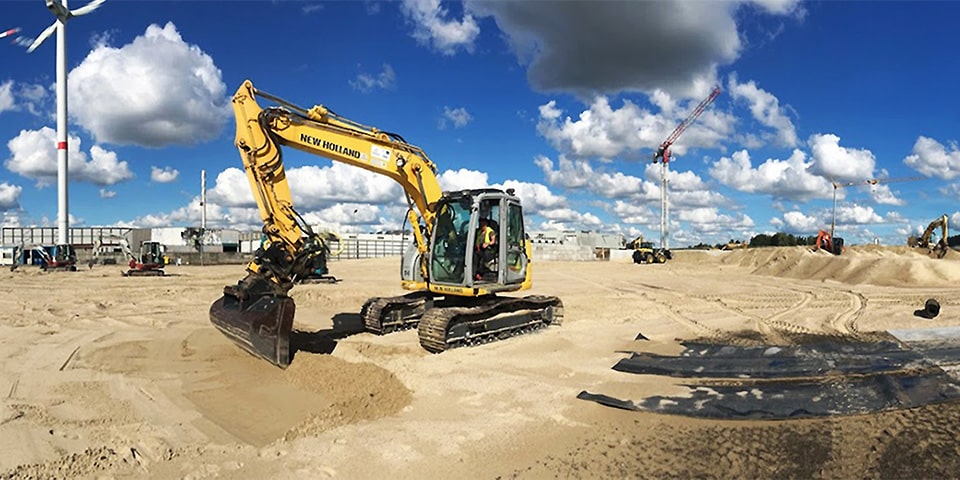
(257, 313)
(261, 134)
(940, 249)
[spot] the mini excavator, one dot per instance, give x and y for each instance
(149, 262)
(827, 242)
(455, 293)
(58, 258)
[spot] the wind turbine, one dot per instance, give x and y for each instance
(60, 10)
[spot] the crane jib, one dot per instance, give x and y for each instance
(333, 147)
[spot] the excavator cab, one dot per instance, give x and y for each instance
(457, 257)
(151, 253)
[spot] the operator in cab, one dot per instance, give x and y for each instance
(486, 237)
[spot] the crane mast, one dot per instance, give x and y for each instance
(662, 156)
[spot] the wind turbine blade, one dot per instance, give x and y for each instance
(87, 8)
(43, 36)
(9, 32)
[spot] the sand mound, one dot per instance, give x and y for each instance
(357, 392)
(874, 265)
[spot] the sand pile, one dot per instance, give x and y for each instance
(882, 266)
(356, 392)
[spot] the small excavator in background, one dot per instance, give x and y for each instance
(734, 245)
(149, 262)
(937, 250)
(828, 243)
(62, 258)
(320, 272)
(454, 286)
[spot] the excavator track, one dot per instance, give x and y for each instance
(143, 273)
(382, 315)
(493, 319)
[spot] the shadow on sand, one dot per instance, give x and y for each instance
(325, 341)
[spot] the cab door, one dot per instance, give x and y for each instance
(511, 229)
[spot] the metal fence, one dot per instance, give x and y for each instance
(354, 248)
(76, 236)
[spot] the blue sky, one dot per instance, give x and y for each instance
(564, 101)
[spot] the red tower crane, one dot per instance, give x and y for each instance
(663, 153)
(663, 156)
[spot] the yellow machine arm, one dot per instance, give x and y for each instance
(923, 241)
(938, 223)
(318, 131)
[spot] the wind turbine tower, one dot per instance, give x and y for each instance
(60, 10)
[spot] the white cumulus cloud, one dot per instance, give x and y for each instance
(366, 82)
(857, 214)
(434, 28)
(766, 109)
(156, 91)
(6, 96)
(163, 175)
(459, 117)
(606, 133)
(33, 157)
(833, 161)
(9, 196)
(798, 223)
(933, 159)
(790, 179)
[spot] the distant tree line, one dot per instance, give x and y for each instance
(764, 240)
(781, 239)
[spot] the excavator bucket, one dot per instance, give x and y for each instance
(259, 325)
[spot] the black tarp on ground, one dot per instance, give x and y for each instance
(700, 360)
(811, 380)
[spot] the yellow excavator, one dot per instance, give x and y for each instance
(454, 297)
(939, 250)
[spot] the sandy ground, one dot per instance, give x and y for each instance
(107, 376)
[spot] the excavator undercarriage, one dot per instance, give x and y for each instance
(449, 322)
(263, 324)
